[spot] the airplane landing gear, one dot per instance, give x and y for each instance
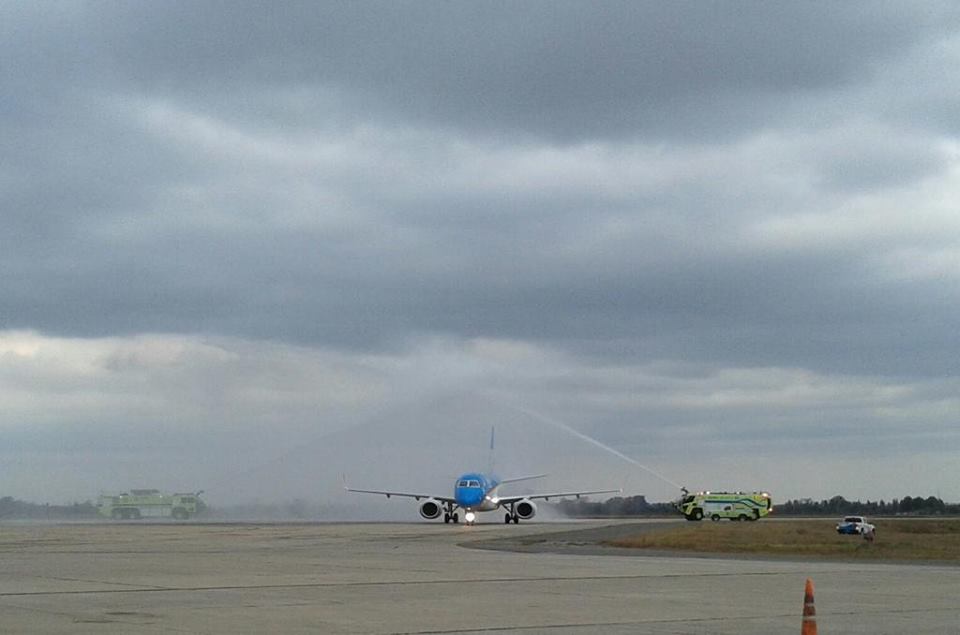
(511, 517)
(450, 516)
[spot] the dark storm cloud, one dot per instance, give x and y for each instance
(180, 222)
(564, 70)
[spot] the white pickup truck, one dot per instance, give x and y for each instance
(856, 525)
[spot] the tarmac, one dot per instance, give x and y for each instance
(422, 578)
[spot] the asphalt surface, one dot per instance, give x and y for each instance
(430, 578)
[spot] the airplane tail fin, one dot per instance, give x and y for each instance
(490, 461)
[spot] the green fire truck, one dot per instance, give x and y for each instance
(148, 503)
(732, 505)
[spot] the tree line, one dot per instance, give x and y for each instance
(618, 506)
(11, 508)
(836, 506)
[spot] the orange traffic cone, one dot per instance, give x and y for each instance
(809, 611)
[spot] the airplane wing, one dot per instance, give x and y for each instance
(506, 500)
(517, 479)
(445, 499)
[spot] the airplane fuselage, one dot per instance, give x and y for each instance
(476, 492)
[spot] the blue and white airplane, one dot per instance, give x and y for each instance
(478, 492)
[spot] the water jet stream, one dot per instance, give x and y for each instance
(562, 426)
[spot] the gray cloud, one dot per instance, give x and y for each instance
(684, 193)
(563, 70)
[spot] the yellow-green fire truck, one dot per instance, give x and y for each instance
(148, 503)
(732, 505)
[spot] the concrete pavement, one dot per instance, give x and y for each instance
(417, 578)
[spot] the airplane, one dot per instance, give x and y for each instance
(479, 492)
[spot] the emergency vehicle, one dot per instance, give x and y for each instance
(732, 505)
(148, 503)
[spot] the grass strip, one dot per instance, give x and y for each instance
(896, 539)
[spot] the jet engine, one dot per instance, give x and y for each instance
(431, 509)
(525, 509)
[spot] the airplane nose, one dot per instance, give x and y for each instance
(473, 498)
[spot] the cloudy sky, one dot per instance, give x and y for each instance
(248, 247)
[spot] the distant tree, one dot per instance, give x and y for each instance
(837, 505)
(933, 505)
(907, 505)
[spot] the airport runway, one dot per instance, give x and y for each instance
(417, 578)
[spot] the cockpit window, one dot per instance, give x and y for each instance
(463, 484)
(474, 483)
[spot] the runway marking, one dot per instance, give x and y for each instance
(460, 581)
(122, 584)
